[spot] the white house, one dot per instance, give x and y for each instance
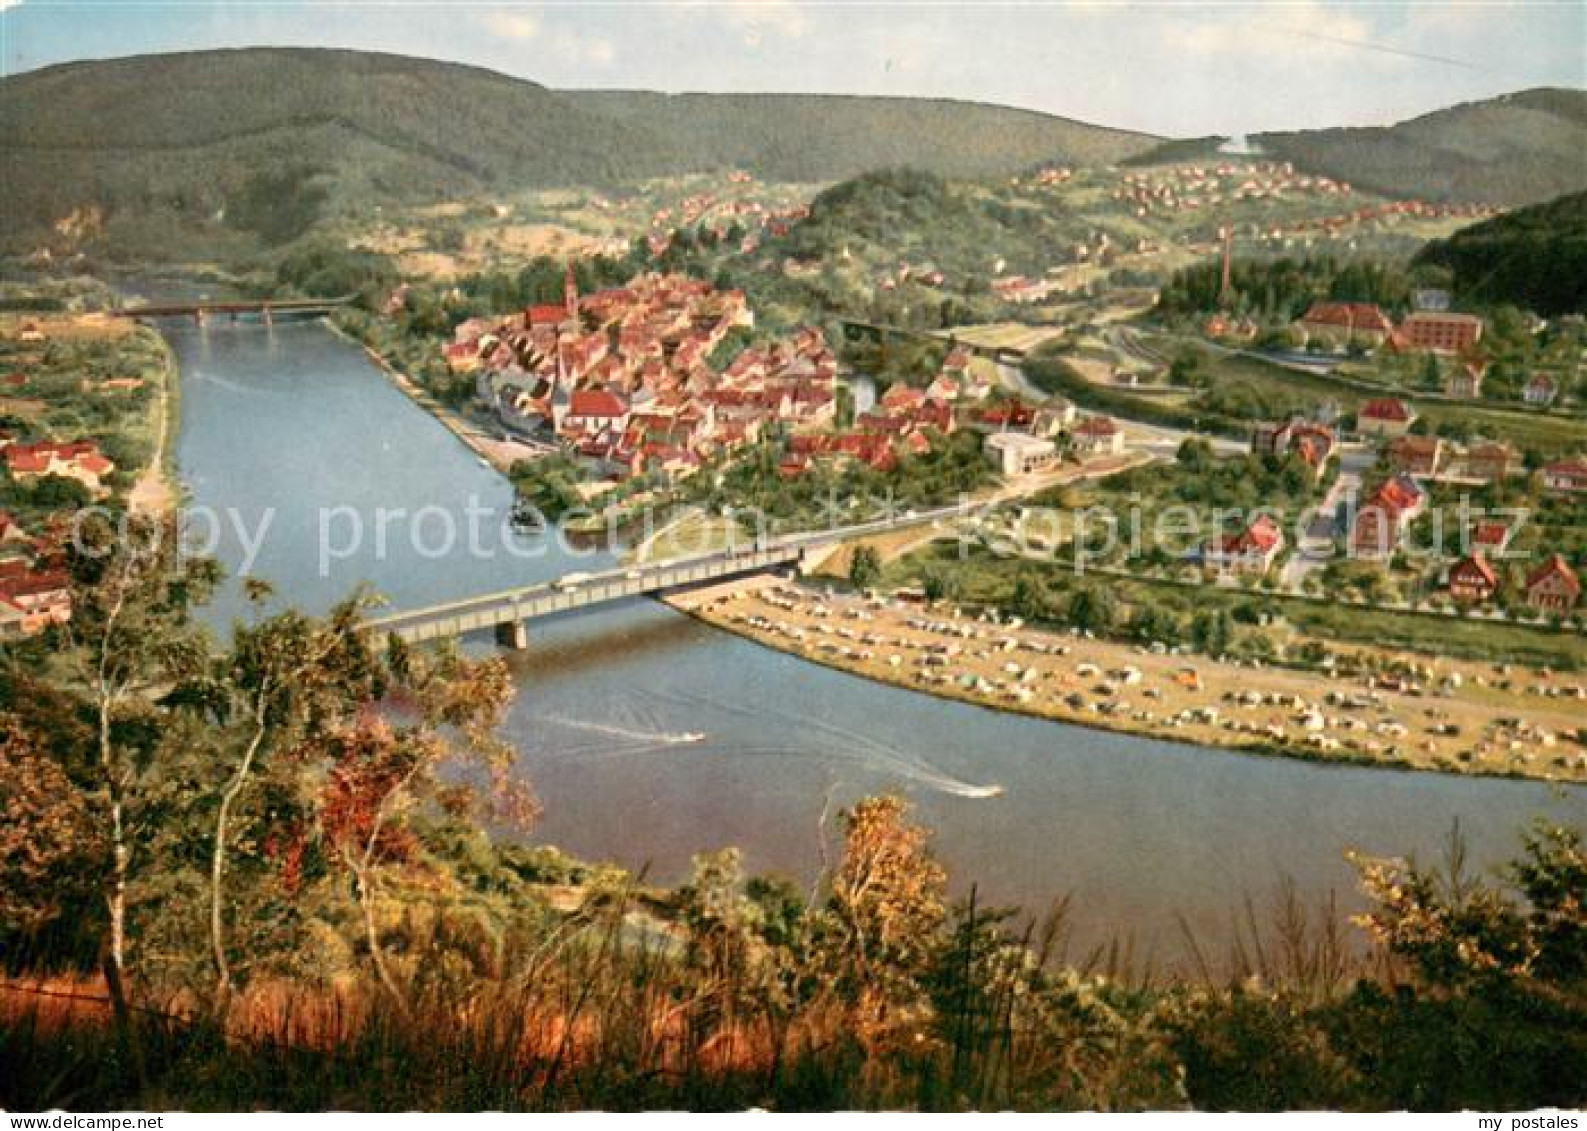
(1018, 453)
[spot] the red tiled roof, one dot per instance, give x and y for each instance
(1398, 494)
(1555, 567)
(546, 315)
(1416, 445)
(1386, 408)
(35, 458)
(1314, 448)
(1097, 426)
(1351, 315)
(32, 584)
(902, 396)
(1490, 534)
(1474, 564)
(1262, 535)
(597, 403)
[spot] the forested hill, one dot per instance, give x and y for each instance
(257, 145)
(798, 137)
(1535, 257)
(1517, 149)
(168, 139)
(264, 138)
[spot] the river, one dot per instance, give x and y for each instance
(1137, 831)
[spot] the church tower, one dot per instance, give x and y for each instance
(1225, 283)
(570, 292)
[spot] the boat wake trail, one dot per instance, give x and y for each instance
(229, 386)
(851, 745)
(648, 739)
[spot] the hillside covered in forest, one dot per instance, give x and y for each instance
(1514, 149)
(241, 150)
(1534, 257)
(262, 143)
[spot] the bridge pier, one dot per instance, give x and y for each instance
(200, 317)
(269, 319)
(513, 635)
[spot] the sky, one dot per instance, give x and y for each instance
(1169, 67)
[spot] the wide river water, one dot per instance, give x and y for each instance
(296, 422)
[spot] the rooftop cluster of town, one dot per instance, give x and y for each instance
(1382, 517)
(34, 592)
(1453, 340)
(625, 377)
(33, 589)
(1188, 188)
(627, 380)
(723, 215)
(1194, 187)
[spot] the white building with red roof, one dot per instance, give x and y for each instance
(1097, 435)
(1381, 522)
(1250, 551)
(589, 412)
(1553, 587)
(80, 460)
(32, 599)
(1566, 476)
(1385, 416)
(1341, 324)
(1472, 580)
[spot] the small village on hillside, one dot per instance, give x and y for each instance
(643, 381)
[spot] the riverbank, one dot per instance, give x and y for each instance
(1455, 721)
(157, 488)
(500, 454)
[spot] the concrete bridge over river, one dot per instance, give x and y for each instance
(508, 613)
(267, 310)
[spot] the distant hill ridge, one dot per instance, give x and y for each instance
(1534, 257)
(1514, 149)
(177, 138)
(256, 145)
(803, 137)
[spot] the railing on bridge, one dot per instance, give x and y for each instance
(203, 308)
(575, 591)
(510, 609)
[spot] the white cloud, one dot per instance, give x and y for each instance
(7, 5)
(507, 24)
(576, 50)
(1306, 29)
(754, 20)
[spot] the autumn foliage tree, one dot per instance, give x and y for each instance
(285, 677)
(133, 591)
(884, 917)
(381, 770)
(48, 841)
